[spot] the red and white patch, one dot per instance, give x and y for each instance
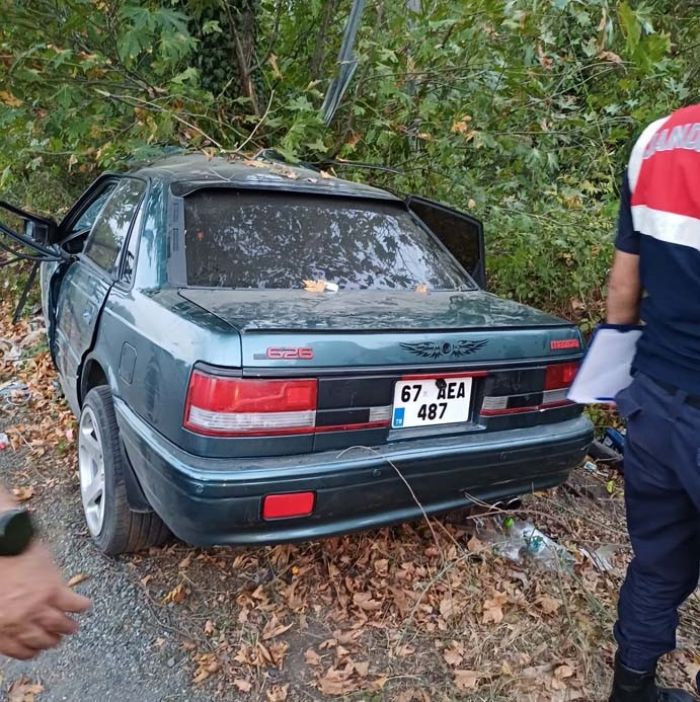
(664, 176)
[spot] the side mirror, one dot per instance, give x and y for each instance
(38, 231)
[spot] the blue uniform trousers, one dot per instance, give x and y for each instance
(662, 496)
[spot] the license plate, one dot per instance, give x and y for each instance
(430, 401)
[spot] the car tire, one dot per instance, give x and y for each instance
(114, 527)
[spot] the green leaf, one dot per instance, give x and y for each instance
(630, 26)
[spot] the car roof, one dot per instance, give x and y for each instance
(188, 172)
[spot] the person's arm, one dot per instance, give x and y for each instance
(34, 601)
(624, 285)
(624, 289)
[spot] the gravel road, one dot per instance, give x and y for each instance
(125, 649)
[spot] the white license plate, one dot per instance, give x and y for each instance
(430, 401)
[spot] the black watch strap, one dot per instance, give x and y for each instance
(16, 532)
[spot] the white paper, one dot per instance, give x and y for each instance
(606, 369)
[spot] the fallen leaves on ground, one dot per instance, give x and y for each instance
(412, 614)
(23, 690)
(22, 494)
(207, 664)
(177, 595)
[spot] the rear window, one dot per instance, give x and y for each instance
(255, 240)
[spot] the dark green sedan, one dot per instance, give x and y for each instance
(260, 353)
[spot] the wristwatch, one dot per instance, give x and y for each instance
(16, 532)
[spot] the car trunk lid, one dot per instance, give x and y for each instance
(363, 311)
(367, 349)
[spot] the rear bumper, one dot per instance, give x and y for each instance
(208, 501)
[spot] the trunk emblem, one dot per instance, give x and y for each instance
(431, 349)
(562, 344)
(275, 353)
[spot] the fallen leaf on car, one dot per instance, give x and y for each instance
(317, 286)
(77, 579)
(23, 493)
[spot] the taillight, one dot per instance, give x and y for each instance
(223, 406)
(558, 380)
(560, 375)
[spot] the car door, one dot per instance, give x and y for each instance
(71, 236)
(461, 234)
(87, 282)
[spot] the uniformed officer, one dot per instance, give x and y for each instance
(656, 278)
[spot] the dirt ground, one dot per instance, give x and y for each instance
(418, 613)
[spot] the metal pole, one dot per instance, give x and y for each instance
(347, 64)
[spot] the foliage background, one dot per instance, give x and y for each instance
(520, 111)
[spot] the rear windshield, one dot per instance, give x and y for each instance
(269, 240)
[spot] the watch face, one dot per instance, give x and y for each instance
(16, 532)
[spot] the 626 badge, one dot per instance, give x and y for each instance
(431, 401)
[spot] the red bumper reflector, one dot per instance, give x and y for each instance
(291, 504)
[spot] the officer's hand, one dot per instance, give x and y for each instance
(34, 604)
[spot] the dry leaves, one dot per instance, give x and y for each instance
(312, 658)
(493, 608)
(177, 595)
(273, 628)
(420, 601)
(366, 602)
(466, 679)
(23, 690)
(22, 494)
(610, 56)
(243, 685)
(549, 605)
(319, 286)
(9, 99)
(207, 664)
(77, 579)
(278, 693)
(454, 655)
